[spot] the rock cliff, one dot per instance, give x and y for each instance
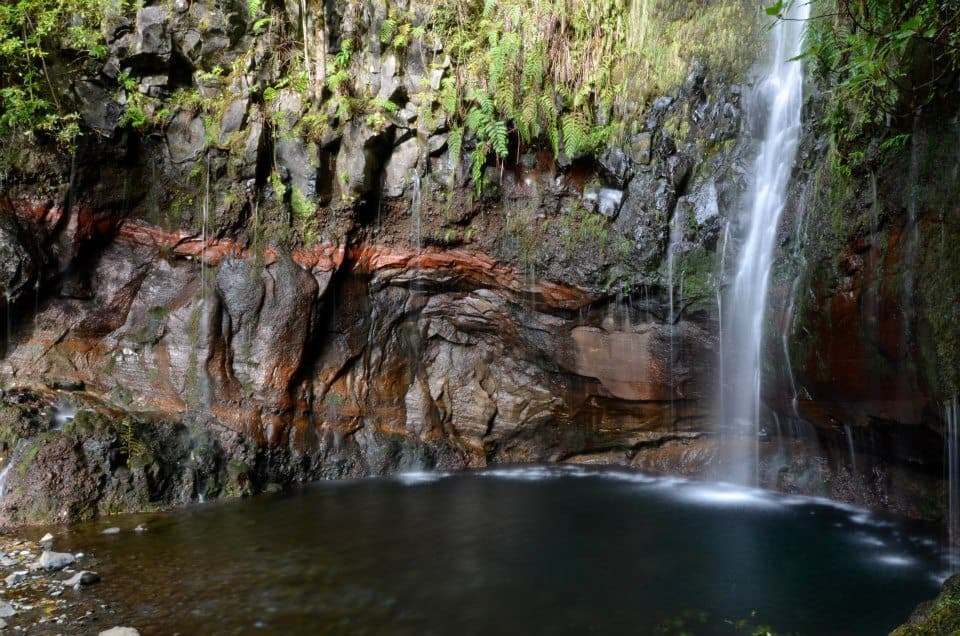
(235, 286)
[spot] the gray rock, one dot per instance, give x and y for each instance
(642, 145)
(16, 578)
(46, 537)
(401, 167)
(606, 201)
(616, 163)
(17, 266)
(6, 610)
(296, 164)
(82, 578)
(706, 205)
(437, 143)
(55, 560)
(113, 530)
(358, 161)
(232, 118)
(119, 631)
(389, 82)
(186, 137)
(152, 31)
(97, 107)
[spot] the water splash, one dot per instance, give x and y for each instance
(780, 93)
(62, 413)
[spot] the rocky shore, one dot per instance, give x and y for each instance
(49, 592)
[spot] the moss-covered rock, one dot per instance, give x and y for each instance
(939, 617)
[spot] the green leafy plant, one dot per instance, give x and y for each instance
(30, 30)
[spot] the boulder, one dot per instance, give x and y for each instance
(82, 579)
(55, 560)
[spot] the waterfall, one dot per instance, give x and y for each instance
(951, 411)
(3, 476)
(780, 95)
(415, 202)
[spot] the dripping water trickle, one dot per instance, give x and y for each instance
(723, 269)
(780, 95)
(951, 414)
(203, 239)
(676, 236)
(415, 212)
(848, 433)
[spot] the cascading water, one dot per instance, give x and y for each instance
(780, 94)
(951, 415)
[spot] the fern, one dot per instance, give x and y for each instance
(576, 134)
(478, 161)
(449, 95)
(388, 30)
(496, 132)
(342, 58)
(455, 144)
(529, 117)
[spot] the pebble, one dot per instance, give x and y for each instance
(47, 537)
(140, 528)
(113, 530)
(55, 560)
(6, 610)
(120, 631)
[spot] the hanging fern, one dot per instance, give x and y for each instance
(455, 145)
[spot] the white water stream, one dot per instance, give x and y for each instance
(951, 413)
(780, 95)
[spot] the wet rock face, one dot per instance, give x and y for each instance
(263, 368)
(18, 269)
(865, 297)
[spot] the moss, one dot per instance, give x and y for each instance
(939, 297)
(239, 479)
(305, 215)
(28, 459)
(936, 617)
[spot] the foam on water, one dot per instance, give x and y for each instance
(727, 495)
(526, 473)
(896, 560)
(413, 478)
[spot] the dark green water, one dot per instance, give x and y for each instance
(521, 551)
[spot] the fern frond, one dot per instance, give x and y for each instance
(455, 145)
(388, 30)
(496, 132)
